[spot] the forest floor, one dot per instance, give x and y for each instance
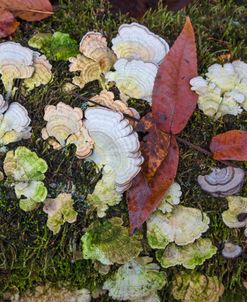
(29, 253)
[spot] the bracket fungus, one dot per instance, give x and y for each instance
(222, 182)
(109, 242)
(195, 287)
(106, 99)
(64, 126)
(104, 194)
(14, 123)
(46, 293)
(16, 62)
(183, 226)
(95, 59)
(136, 279)
(223, 91)
(94, 46)
(3, 105)
(150, 298)
(59, 210)
(236, 215)
(231, 250)
(134, 79)
(25, 171)
(171, 198)
(116, 145)
(135, 41)
(189, 255)
(42, 74)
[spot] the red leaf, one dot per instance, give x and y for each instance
(29, 10)
(8, 23)
(143, 196)
(176, 5)
(154, 146)
(230, 145)
(173, 101)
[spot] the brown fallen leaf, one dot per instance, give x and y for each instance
(29, 10)
(8, 23)
(144, 196)
(154, 146)
(230, 145)
(173, 102)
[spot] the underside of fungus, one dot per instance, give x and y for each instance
(222, 182)
(64, 126)
(183, 226)
(134, 78)
(231, 250)
(116, 145)
(134, 280)
(135, 42)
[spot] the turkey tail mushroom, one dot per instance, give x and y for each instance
(222, 182)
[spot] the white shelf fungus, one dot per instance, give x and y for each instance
(171, 198)
(116, 145)
(236, 215)
(136, 279)
(14, 123)
(222, 182)
(64, 127)
(135, 41)
(18, 62)
(183, 226)
(224, 89)
(134, 78)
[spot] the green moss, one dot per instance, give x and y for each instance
(29, 253)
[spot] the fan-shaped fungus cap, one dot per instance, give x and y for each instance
(15, 63)
(116, 145)
(3, 105)
(64, 123)
(42, 72)
(134, 78)
(135, 41)
(171, 198)
(231, 250)
(94, 46)
(59, 211)
(14, 124)
(195, 287)
(189, 255)
(135, 279)
(222, 182)
(109, 242)
(183, 226)
(236, 215)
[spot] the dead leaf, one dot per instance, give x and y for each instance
(176, 5)
(29, 10)
(154, 146)
(173, 102)
(144, 196)
(8, 23)
(230, 145)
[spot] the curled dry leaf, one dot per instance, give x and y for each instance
(8, 23)
(173, 101)
(29, 10)
(222, 182)
(230, 145)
